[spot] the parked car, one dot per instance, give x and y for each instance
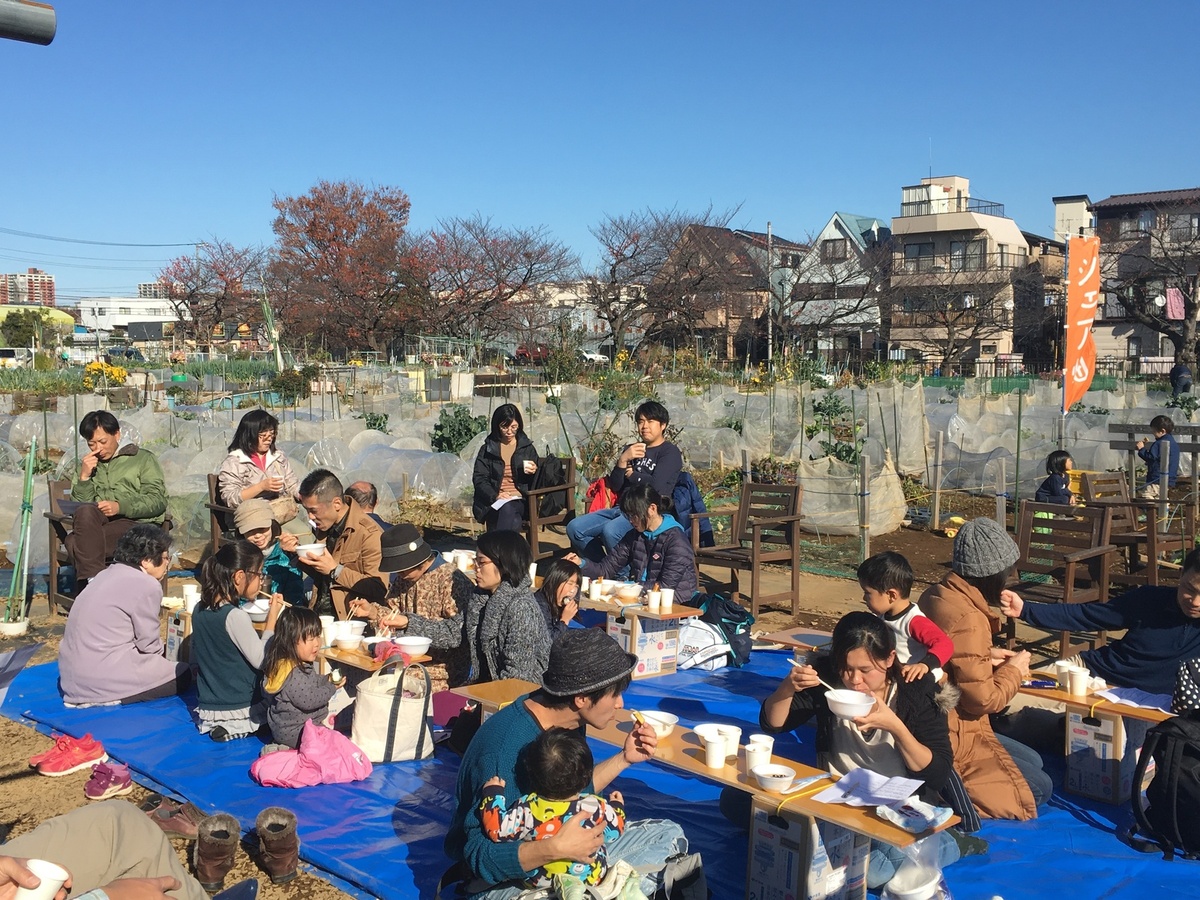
(124, 354)
(590, 356)
(532, 355)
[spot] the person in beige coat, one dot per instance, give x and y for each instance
(1003, 777)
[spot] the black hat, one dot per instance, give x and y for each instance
(403, 549)
(583, 661)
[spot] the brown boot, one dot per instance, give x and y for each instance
(278, 843)
(216, 844)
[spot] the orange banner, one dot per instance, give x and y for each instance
(1083, 297)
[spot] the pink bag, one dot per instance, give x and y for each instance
(325, 757)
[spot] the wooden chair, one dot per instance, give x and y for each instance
(768, 514)
(1110, 491)
(1065, 558)
(535, 521)
(61, 523)
(220, 517)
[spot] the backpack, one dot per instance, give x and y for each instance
(688, 501)
(551, 473)
(701, 646)
(1170, 820)
(732, 619)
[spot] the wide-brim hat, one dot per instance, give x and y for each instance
(251, 515)
(403, 548)
(583, 661)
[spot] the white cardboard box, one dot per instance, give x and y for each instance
(795, 857)
(1100, 760)
(655, 641)
(179, 628)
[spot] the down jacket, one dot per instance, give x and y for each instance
(993, 781)
(133, 478)
(663, 556)
(489, 471)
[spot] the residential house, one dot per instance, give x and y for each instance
(955, 259)
(835, 290)
(1150, 256)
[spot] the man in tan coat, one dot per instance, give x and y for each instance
(348, 568)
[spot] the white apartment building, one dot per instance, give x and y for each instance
(109, 313)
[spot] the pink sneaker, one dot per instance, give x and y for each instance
(71, 755)
(109, 779)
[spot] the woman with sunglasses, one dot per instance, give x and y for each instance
(504, 471)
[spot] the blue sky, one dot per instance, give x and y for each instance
(159, 121)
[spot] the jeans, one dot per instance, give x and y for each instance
(886, 859)
(645, 843)
(1030, 764)
(596, 533)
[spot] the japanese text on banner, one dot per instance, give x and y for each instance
(1083, 297)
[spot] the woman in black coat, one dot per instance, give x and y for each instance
(504, 470)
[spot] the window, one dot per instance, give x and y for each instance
(124, 311)
(1183, 226)
(1147, 220)
(1127, 228)
(833, 249)
(988, 349)
(918, 257)
(1003, 255)
(966, 256)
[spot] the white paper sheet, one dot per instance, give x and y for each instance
(862, 787)
(500, 502)
(1135, 697)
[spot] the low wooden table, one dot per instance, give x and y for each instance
(799, 638)
(357, 659)
(683, 750)
(1096, 702)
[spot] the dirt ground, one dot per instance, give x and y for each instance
(29, 798)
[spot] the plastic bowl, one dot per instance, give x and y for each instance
(310, 549)
(914, 882)
(608, 587)
(256, 616)
(663, 723)
(352, 643)
(629, 591)
(774, 778)
(357, 628)
(413, 645)
(847, 704)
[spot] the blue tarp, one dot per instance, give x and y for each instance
(384, 835)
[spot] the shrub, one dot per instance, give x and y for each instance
(291, 385)
(454, 429)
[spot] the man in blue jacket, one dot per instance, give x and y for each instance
(1162, 629)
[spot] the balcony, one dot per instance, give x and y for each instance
(951, 205)
(955, 263)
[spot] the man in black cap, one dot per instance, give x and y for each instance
(582, 686)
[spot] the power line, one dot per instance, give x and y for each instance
(56, 256)
(63, 240)
(63, 265)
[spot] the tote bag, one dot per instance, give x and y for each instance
(391, 714)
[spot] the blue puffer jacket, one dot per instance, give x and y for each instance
(663, 556)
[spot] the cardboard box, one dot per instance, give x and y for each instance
(1100, 756)
(655, 641)
(795, 857)
(179, 629)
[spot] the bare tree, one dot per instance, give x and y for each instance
(475, 270)
(216, 285)
(1144, 267)
(827, 292)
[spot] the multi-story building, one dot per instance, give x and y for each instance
(107, 314)
(154, 290)
(1150, 258)
(955, 262)
(30, 288)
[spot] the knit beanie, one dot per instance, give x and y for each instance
(982, 548)
(583, 661)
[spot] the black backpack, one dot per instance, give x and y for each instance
(733, 620)
(551, 473)
(1170, 820)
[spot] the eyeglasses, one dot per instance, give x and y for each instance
(511, 426)
(481, 561)
(253, 575)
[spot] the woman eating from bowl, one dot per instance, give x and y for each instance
(502, 625)
(558, 596)
(903, 733)
(255, 468)
(423, 584)
(504, 470)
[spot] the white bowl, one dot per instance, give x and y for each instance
(663, 723)
(310, 549)
(774, 778)
(608, 587)
(256, 615)
(707, 732)
(413, 645)
(629, 591)
(348, 643)
(357, 627)
(847, 704)
(914, 882)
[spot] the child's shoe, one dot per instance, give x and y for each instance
(71, 755)
(108, 779)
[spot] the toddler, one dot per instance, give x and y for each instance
(1057, 486)
(1160, 457)
(886, 580)
(294, 690)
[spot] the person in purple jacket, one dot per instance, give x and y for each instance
(653, 460)
(656, 550)
(111, 651)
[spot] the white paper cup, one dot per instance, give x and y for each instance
(733, 736)
(654, 600)
(189, 603)
(1078, 681)
(585, 585)
(765, 740)
(756, 755)
(449, 556)
(532, 571)
(462, 561)
(191, 590)
(1062, 672)
(668, 597)
(596, 590)
(53, 877)
(529, 465)
(714, 753)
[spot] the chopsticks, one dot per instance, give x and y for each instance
(824, 684)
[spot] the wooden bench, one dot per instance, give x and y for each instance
(767, 514)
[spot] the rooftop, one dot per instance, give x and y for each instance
(1149, 198)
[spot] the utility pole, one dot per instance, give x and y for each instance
(770, 300)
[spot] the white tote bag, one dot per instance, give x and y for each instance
(391, 714)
